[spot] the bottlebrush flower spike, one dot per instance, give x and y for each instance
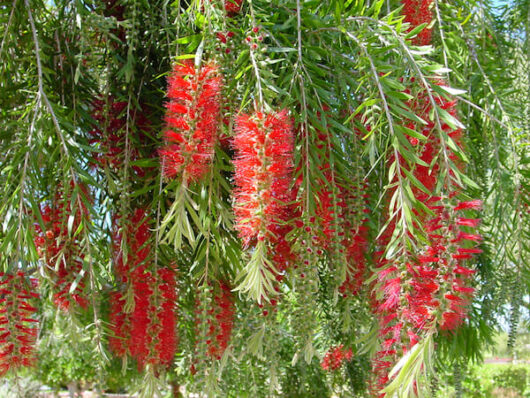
(452, 296)
(233, 7)
(418, 12)
(60, 249)
(18, 325)
(263, 173)
(335, 357)
(192, 119)
(430, 293)
(141, 339)
(134, 237)
(148, 333)
(119, 325)
(221, 322)
(164, 320)
(110, 118)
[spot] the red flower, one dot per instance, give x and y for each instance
(335, 357)
(119, 326)
(263, 166)
(58, 246)
(141, 339)
(134, 237)
(18, 327)
(110, 118)
(148, 334)
(452, 296)
(192, 119)
(233, 7)
(164, 321)
(219, 322)
(418, 12)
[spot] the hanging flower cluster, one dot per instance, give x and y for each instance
(263, 167)
(165, 308)
(263, 175)
(233, 7)
(192, 119)
(429, 289)
(134, 239)
(442, 281)
(335, 357)
(18, 325)
(60, 249)
(340, 220)
(355, 239)
(220, 322)
(430, 147)
(214, 321)
(147, 331)
(418, 12)
(433, 290)
(109, 134)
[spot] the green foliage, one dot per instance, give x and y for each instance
(516, 378)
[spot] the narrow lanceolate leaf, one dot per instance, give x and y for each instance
(257, 278)
(176, 224)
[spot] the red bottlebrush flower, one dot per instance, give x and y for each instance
(119, 326)
(166, 319)
(18, 333)
(60, 249)
(110, 118)
(192, 119)
(263, 167)
(355, 252)
(233, 7)
(452, 297)
(222, 321)
(335, 357)
(214, 323)
(418, 12)
(148, 334)
(440, 290)
(134, 237)
(141, 339)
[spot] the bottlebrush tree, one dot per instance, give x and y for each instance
(289, 198)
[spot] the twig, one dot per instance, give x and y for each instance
(391, 128)
(303, 127)
(24, 173)
(442, 35)
(7, 27)
(41, 86)
(254, 63)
